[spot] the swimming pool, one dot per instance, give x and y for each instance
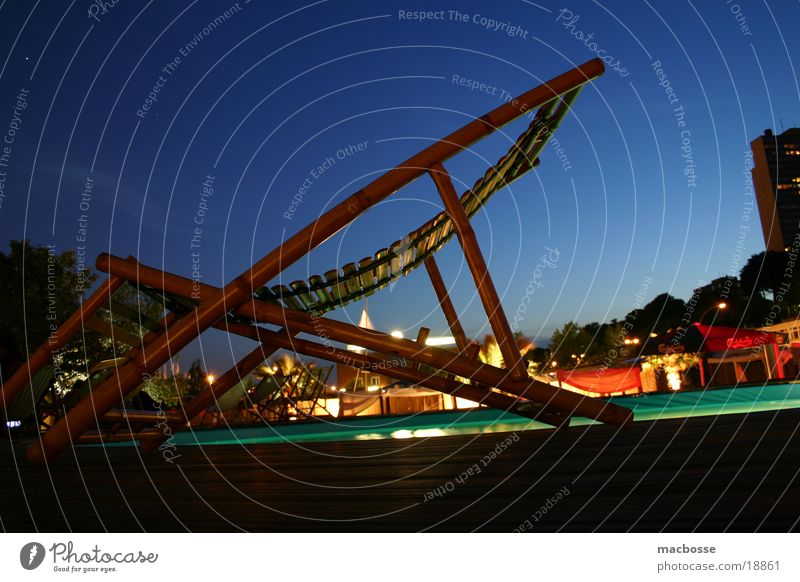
(739, 400)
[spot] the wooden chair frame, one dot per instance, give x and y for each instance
(244, 306)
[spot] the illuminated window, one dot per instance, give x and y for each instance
(785, 186)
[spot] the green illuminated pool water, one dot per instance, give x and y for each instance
(646, 407)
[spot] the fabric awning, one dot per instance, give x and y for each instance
(602, 381)
(719, 338)
(706, 338)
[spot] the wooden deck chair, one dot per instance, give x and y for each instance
(24, 405)
(227, 402)
(258, 297)
(264, 392)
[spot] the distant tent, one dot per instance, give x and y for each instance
(364, 322)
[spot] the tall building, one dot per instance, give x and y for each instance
(776, 180)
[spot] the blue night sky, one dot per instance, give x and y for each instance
(260, 102)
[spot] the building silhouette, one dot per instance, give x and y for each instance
(776, 180)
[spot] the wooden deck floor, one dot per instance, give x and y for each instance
(735, 473)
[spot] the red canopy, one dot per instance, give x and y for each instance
(602, 381)
(719, 338)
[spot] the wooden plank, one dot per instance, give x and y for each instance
(367, 277)
(337, 288)
(408, 252)
(304, 295)
(351, 281)
(265, 294)
(396, 262)
(285, 295)
(420, 247)
(471, 202)
(480, 274)
(450, 313)
(645, 480)
(382, 270)
(436, 236)
(320, 288)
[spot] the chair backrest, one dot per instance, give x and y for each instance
(267, 387)
(315, 383)
(356, 280)
(25, 403)
(231, 398)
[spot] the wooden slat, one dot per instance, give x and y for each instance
(408, 253)
(367, 277)
(304, 295)
(351, 282)
(396, 262)
(435, 237)
(285, 295)
(382, 271)
(337, 288)
(323, 296)
(419, 248)
(265, 294)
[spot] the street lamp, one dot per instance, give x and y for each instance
(721, 305)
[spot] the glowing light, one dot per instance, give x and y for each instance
(429, 432)
(210, 378)
(397, 333)
(674, 380)
(722, 305)
(490, 353)
(342, 389)
(402, 434)
(446, 340)
(464, 403)
(373, 388)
